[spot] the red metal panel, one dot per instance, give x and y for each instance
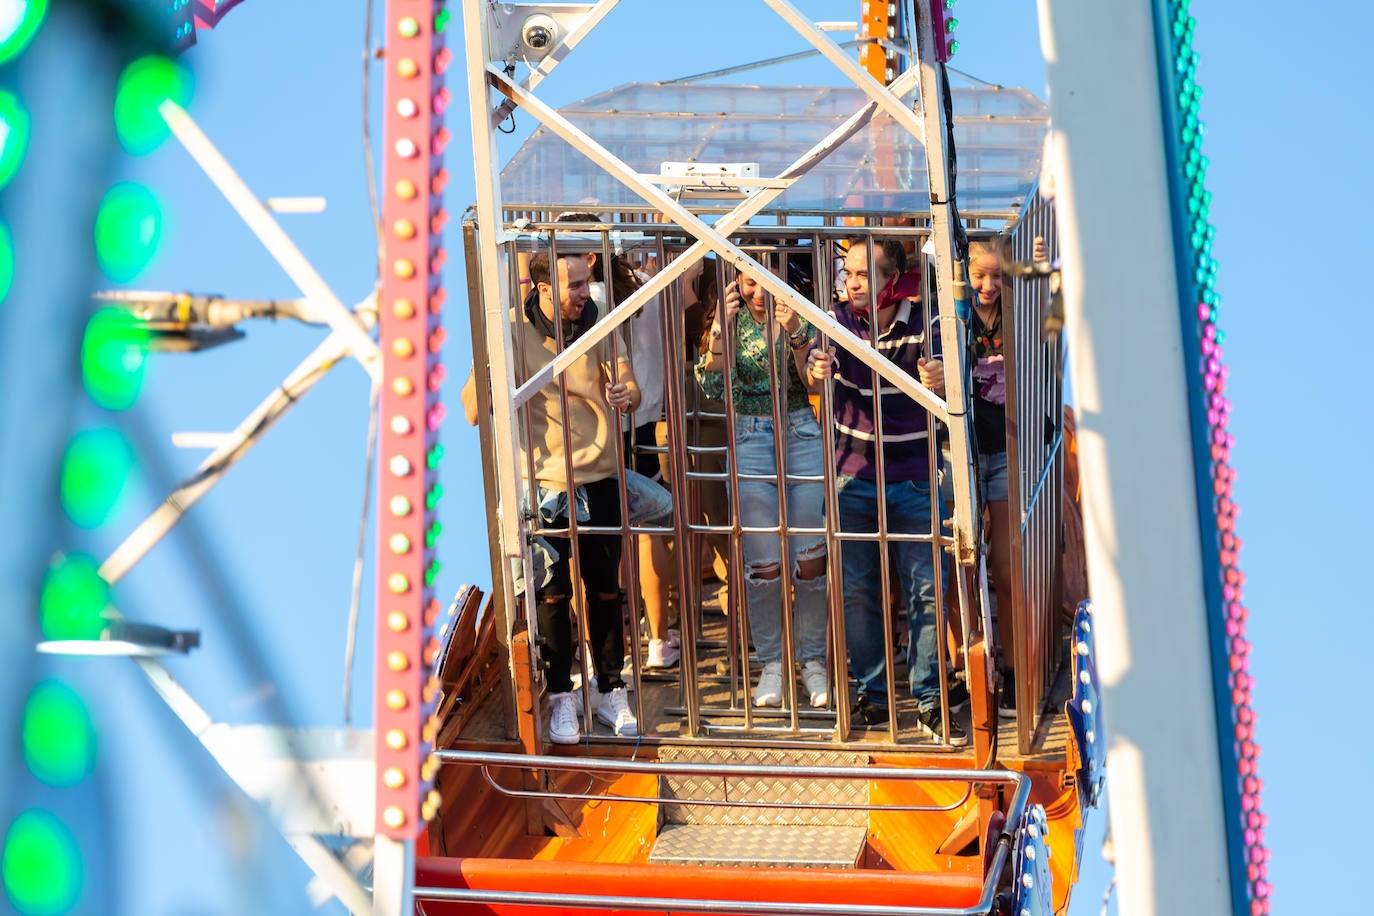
(411, 413)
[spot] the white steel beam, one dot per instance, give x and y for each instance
(714, 240)
(393, 873)
(334, 876)
(571, 40)
(263, 417)
(737, 217)
(496, 297)
(943, 227)
(832, 52)
(294, 782)
(322, 304)
(1140, 511)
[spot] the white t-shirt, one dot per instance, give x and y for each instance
(645, 331)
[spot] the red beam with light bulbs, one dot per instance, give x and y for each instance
(411, 336)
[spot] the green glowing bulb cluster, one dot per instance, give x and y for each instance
(58, 740)
(41, 865)
(143, 86)
(95, 470)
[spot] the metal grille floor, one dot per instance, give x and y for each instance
(759, 845)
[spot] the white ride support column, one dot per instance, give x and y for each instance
(1141, 513)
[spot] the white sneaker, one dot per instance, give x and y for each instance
(563, 726)
(769, 690)
(674, 638)
(663, 653)
(817, 683)
(613, 710)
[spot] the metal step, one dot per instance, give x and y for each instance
(784, 798)
(759, 845)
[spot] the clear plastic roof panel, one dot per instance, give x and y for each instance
(998, 134)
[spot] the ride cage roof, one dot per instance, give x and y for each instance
(998, 136)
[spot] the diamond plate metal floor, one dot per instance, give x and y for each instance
(759, 845)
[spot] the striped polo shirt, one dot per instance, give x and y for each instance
(907, 426)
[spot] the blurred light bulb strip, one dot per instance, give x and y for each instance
(322, 299)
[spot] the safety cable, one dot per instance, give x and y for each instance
(368, 164)
(355, 594)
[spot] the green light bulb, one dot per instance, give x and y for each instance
(953, 48)
(951, 25)
(73, 599)
(19, 22)
(433, 496)
(441, 20)
(128, 230)
(14, 135)
(432, 535)
(41, 865)
(143, 86)
(114, 358)
(431, 573)
(58, 739)
(95, 469)
(6, 262)
(435, 455)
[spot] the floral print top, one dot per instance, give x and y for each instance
(750, 381)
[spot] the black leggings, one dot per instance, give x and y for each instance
(599, 563)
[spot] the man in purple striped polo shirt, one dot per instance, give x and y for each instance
(894, 322)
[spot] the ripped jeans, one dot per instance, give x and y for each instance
(599, 564)
(758, 508)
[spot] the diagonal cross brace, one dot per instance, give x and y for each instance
(708, 238)
(885, 96)
(540, 72)
(321, 300)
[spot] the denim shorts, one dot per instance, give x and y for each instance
(992, 478)
(992, 475)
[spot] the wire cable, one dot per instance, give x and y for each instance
(355, 595)
(369, 165)
(973, 79)
(766, 62)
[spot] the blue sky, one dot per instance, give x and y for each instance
(279, 92)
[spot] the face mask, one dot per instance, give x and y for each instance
(903, 286)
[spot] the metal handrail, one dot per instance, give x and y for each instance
(487, 759)
(690, 905)
(721, 803)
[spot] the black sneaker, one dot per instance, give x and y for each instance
(929, 721)
(866, 715)
(1006, 708)
(958, 694)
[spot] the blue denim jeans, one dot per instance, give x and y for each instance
(758, 508)
(908, 512)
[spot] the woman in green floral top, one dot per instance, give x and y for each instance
(754, 385)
